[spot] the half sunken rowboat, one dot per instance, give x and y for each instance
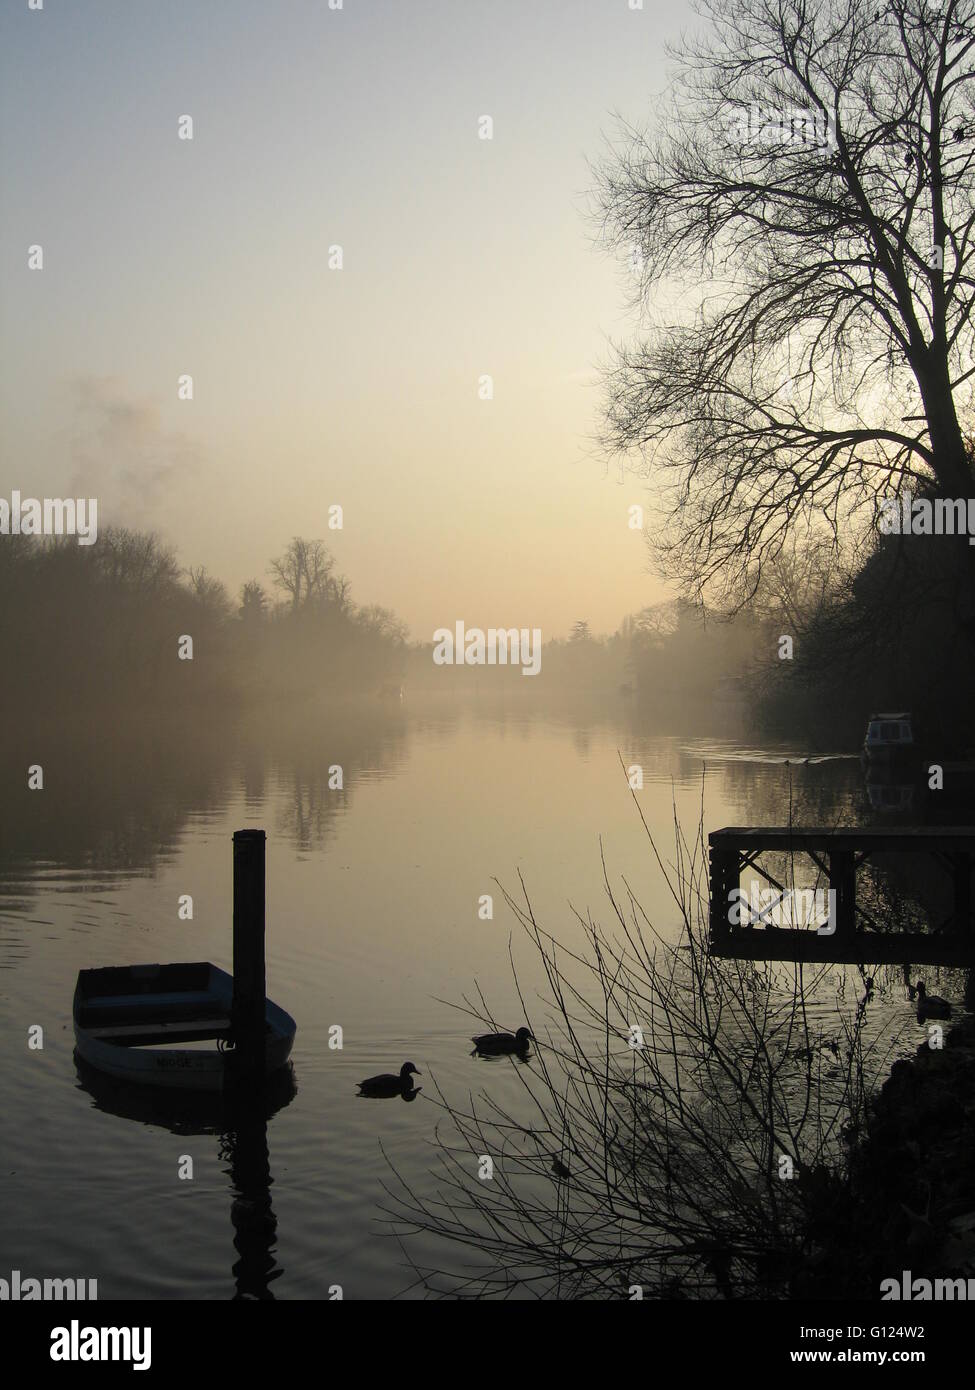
(129, 1020)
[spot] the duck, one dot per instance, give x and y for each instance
(502, 1044)
(388, 1083)
(930, 1005)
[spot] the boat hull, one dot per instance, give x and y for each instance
(890, 755)
(121, 1011)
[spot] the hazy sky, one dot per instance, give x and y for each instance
(462, 257)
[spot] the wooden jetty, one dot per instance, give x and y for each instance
(838, 854)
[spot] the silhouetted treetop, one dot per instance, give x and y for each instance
(801, 223)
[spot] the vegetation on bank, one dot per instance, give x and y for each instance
(891, 627)
(104, 627)
(907, 1199)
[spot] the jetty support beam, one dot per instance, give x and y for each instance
(842, 882)
(725, 876)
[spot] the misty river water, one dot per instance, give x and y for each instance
(372, 925)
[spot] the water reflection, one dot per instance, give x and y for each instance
(117, 798)
(373, 897)
(244, 1148)
(239, 1119)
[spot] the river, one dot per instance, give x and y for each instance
(373, 927)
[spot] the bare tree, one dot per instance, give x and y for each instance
(653, 625)
(136, 559)
(338, 592)
(383, 622)
(253, 602)
(211, 593)
(808, 208)
(803, 584)
(303, 571)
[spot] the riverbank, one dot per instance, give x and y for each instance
(908, 1203)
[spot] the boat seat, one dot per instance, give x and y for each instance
(150, 1012)
(126, 1001)
(155, 1030)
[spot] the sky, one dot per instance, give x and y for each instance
(461, 258)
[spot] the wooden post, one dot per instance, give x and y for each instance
(842, 880)
(962, 916)
(725, 875)
(247, 1016)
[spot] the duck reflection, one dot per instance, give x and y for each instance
(239, 1118)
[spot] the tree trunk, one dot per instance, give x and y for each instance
(952, 466)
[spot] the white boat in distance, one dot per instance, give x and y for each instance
(890, 738)
(127, 1019)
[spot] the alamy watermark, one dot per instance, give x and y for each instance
(793, 907)
(909, 1289)
(925, 516)
(498, 646)
(77, 1343)
(25, 1289)
(50, 516)
(800, 126)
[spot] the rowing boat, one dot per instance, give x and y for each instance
(130, 1021)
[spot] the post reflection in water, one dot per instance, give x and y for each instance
(239, 1118)
(244, 1147)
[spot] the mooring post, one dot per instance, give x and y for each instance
(247, 1018)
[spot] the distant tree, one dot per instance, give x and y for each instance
(801, 585)
(253, 603)
(209, 592)
(580, 632)
(383, 622)
(303, 571)
(337, 592)
(652, 625)
(136, 560)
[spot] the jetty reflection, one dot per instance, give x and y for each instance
(239, 1118)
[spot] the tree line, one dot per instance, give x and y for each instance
(106, 626)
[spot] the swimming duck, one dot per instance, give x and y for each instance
(502, 1044)
(388, 1083)
(930, 1005)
